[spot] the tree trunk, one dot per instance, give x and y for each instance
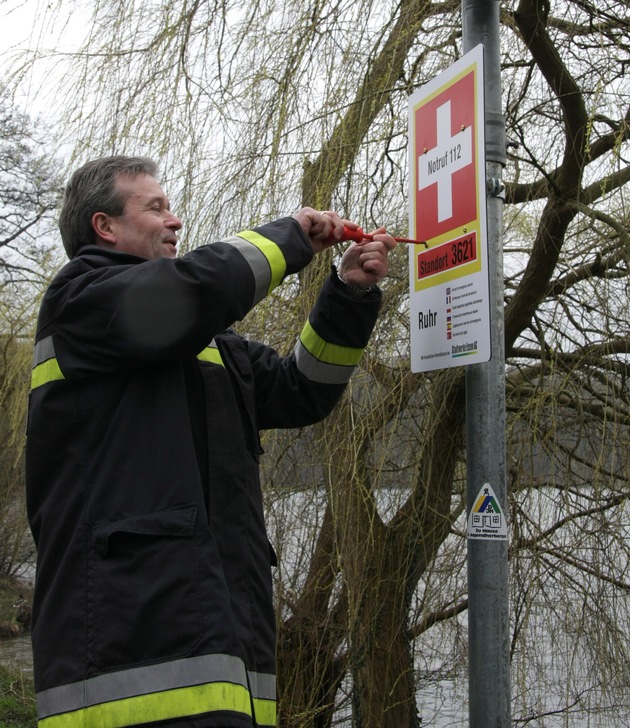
(308, 643)
(382, 663)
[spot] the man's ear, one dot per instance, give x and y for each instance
(102, 224)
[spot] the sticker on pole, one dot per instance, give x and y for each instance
(486, 520)
(448, 278)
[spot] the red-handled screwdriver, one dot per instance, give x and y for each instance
(359, 236)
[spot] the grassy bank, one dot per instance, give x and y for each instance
(17, 696)
(17, 700)
(15, 607)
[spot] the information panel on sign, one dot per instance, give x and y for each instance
(449, 290)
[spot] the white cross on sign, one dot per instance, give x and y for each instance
(451, 154)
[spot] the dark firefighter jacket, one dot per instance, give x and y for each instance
(153, 596)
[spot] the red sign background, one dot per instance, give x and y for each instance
(461, 94)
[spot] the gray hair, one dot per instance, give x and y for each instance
(92, 189)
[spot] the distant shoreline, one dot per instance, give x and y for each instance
(15, 607)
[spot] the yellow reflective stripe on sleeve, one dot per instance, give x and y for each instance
(177, 703)
(326, 352)
(211, 354)
(45, 365)
(321, 361)
(263, 689)
(272, 253)
(265, 712)
(318, 371)
(48, 371)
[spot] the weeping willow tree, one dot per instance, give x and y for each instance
(16, 547)
(29, 193)
(254, 109)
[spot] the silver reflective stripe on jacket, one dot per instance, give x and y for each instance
(171, 689)
(265, 259)
(45, 365)
(263, 689)
(321, 361)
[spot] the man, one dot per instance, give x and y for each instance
(153, 601)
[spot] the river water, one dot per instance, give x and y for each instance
(17, 651)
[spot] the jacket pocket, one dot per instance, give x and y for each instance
(143, 598)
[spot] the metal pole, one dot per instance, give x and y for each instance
(488, 612)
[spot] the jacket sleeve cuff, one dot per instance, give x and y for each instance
(353, 292)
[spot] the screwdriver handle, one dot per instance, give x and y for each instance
(358, 236)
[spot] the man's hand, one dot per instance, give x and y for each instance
(323, 229)
(365, 264)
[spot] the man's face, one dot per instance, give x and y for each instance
(147, 227)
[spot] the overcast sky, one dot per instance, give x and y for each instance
(28, 24)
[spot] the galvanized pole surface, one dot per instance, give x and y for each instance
(488, 614)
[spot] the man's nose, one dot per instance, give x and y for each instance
(172, 221)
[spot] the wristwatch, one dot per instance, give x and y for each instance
(355, 290)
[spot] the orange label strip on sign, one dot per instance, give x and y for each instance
(447, 256)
